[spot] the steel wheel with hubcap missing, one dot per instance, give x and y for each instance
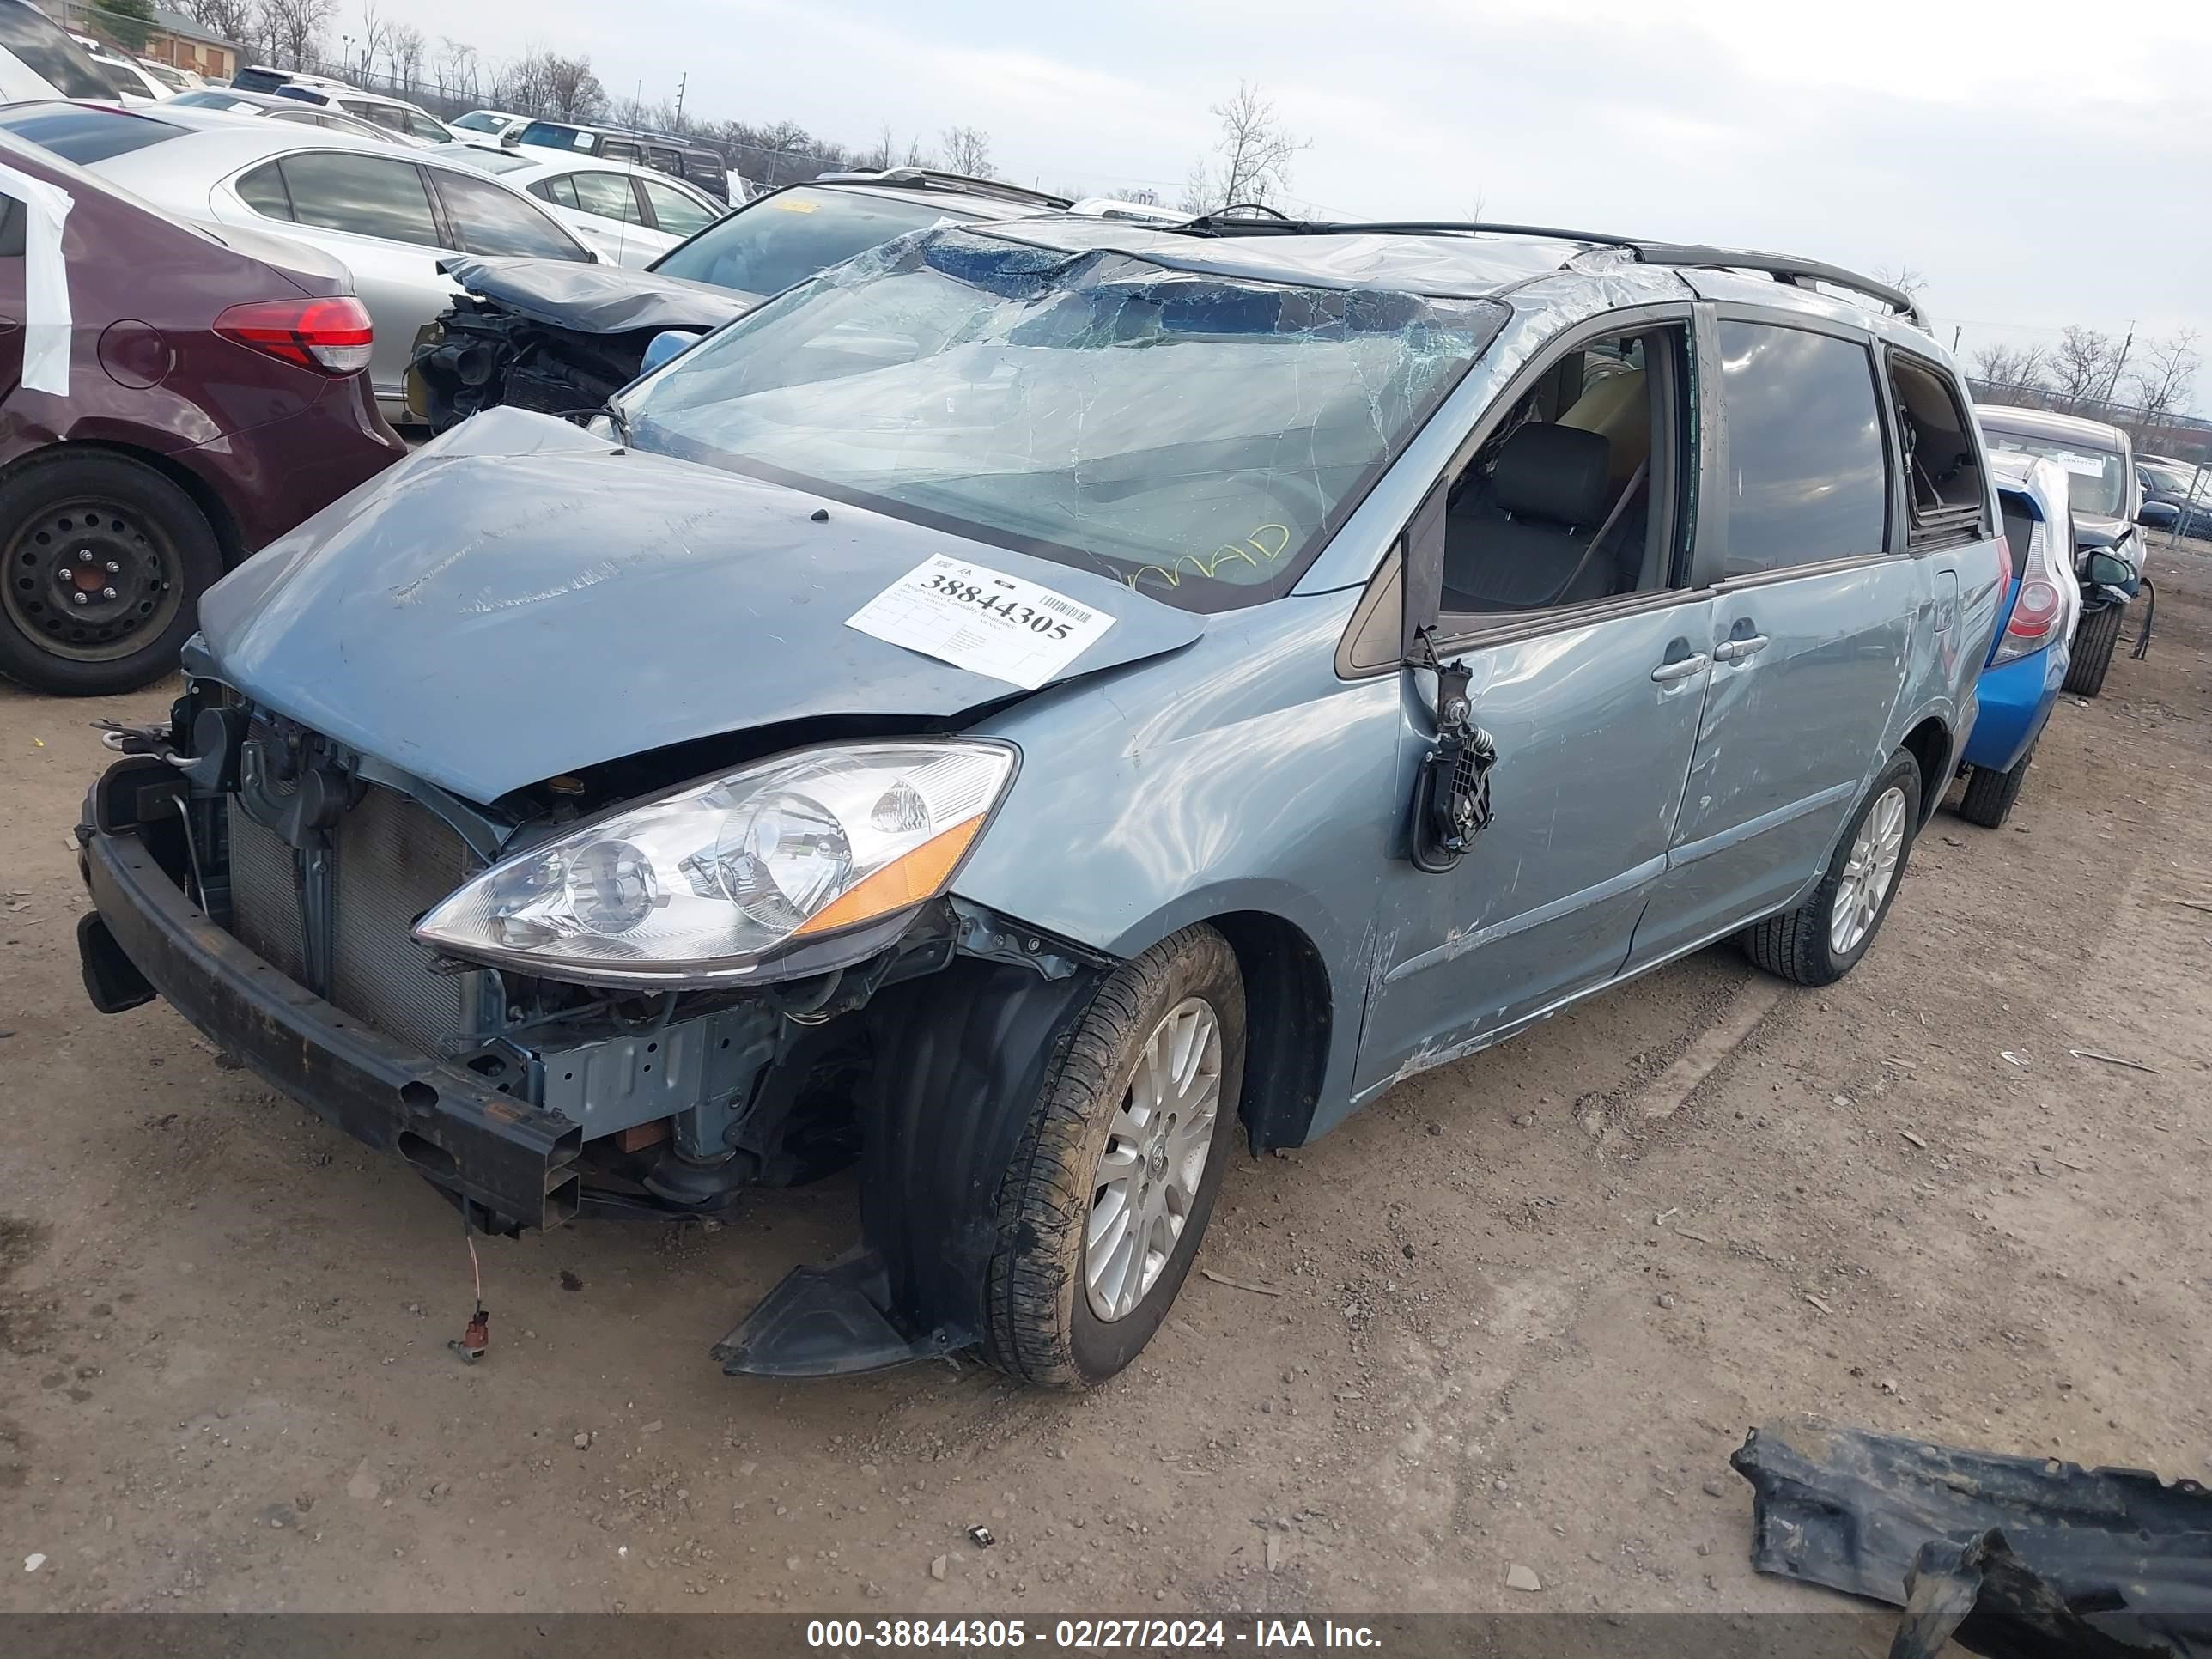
(88, 579)
(102, 562)
(1154, 1159)
(1868, 871)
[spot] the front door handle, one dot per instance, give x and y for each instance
(1739, 650)
(1681, 669)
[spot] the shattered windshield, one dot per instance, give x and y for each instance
(1197, 436)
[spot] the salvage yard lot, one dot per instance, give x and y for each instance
(1517, 1314)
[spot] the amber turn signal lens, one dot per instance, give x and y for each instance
(920, 874)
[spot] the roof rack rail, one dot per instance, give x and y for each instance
(1783, 268)
(935, 179)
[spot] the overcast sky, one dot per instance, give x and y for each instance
(2037, 164)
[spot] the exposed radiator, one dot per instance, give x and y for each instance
(393, 859)
(265, 895)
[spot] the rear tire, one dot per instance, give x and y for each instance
(1990, 795)
(1823, 938)
(2094, 641)
(105, 561)
(1048, 1274)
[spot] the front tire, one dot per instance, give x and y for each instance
(1823, 938)
(1990, 795)
(1108, 1192)
(2094, 641)
(105, 561)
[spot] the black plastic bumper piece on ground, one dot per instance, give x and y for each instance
(513, 1161)
(2019, 1557)
(828, 1322)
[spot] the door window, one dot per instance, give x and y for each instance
(608, 195)
(487, 219)
(677, 212)
(365, 195)
(617, 150)
(1572, 499)
(421, 126)
(1809, 478)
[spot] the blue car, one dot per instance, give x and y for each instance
(2028, 658)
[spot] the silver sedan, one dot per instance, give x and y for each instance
(631, 215)
(390, 215)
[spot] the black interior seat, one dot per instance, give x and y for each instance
(1526, 542)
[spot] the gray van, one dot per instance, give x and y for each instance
(1045, 701)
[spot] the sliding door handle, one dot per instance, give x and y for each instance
(1739, 650)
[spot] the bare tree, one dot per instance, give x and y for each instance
(294, 29)
(1198, 195)
(882, 154)
(1903, 278)
(403, 47)
(2083, 365)
(233, 19)
(545, 83)
(374, 32)
(1252, 156)
(2016, 368)
(2164, 384)
(575, 92)
(455, 67)
(967, 151)
(916, 156)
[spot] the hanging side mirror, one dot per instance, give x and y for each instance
(666, 347)
(1451, 796)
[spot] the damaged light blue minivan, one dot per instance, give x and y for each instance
(1042, 704)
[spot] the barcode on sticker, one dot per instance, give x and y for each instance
(1066, 607)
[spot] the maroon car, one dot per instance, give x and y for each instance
(217, 396)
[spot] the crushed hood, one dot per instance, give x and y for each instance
(521, 598)
(597, 299)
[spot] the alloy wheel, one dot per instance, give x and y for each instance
(1147, 1179)
(1868, 873)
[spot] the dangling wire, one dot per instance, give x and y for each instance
(477, 1337)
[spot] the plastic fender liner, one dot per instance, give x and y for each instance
(2014, 1554)
(962, 1057)
(973, 1048)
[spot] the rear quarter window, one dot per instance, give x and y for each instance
(1808, 474)
(489, 219)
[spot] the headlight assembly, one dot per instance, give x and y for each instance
(695, 887)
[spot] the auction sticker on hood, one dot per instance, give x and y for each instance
(983, 620)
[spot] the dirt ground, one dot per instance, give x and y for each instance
(1518, 1313)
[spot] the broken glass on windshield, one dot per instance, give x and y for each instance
(1196, 435)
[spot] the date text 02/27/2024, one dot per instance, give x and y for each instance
(1089, 1635)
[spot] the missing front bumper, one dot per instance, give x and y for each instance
(513, 1163)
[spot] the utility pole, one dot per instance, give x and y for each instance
(2119, 363)
(682, 81)
(1955, 331)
